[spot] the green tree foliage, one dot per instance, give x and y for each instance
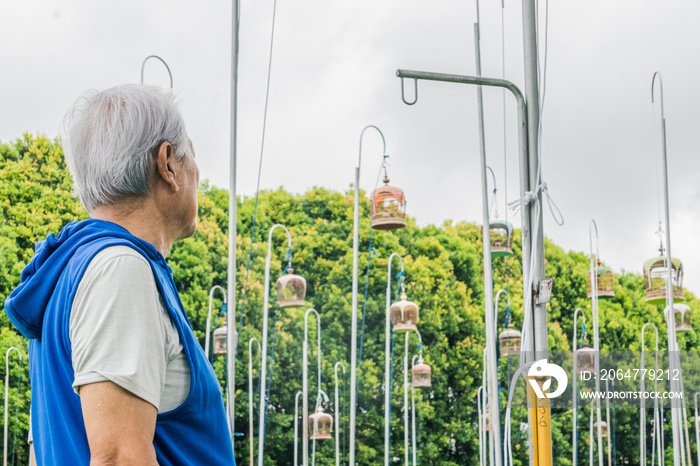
(443, 274)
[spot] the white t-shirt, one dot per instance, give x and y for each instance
(121, 332)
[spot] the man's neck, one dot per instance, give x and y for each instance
(142, 219)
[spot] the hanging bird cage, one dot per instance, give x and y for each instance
(219, 338)
(603, 426)
(509, 342)
(420, 374)
(404, 315)
(320, 425)
(586, 360)
(655, 274)
(291, 289)
(682, 314)
(606, 282)
(388, 207)
(501, 233)
(486, 419)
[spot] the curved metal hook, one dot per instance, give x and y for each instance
(657, 335)
(143, 65)
(661, 91)
(250, 346)
(359, 159)
(269, 241)
(335, 369)
(493, 176)
(590, 238)
(415, 92)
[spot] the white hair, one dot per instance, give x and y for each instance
(109, 139)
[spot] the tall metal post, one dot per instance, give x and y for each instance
(387, 351)
(405, 400)
(353, 324)
(296, 428)
(596, 337)
(208, 331)
(678, 447)
(540, 415)
(642, 401)
(574, 393)
(413, 417)
(7, 393)
(337, 413)
(263, 364)
(305, 383)
(495, 433)
(250, 396)
(232, 217)
(697, 433)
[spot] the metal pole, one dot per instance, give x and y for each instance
(263, 370)
(482, 452)
(413, 416)
(642, 402)
(607, 420)
(305, 364)
(697, 433)
(590, 438)
(670, 324)
(337, 413)
(250, 394)
(574, 393)
(405, 400)
(353, 333)
(596, 338)
(296, 428)
(387, 368)
(488, 275)
(232, 217)
(211, 298)
(7, 393)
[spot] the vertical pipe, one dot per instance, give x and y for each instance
(574, 393)
(387, 351)
(540, 428)
(296, 429)
(413, 418)
(642, 411)
(263, 364)
(672, 342)
(232, 217)
(488, 278)
(337, 413)
(607, 420)
(697, 433)
(590, 438)
(250, 395)
(596, 335)
(479, 395)
(7, 393)
(405, 400)
(353, 325)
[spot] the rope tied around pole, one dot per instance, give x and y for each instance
(531, 196)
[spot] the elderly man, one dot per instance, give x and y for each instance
(117, 374)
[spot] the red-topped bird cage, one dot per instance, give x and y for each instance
(320, 425)
(388, 207)
(420, 374)
(291, 289)
(404, 315)
(655, 275)
(606, 282)
(681, 314)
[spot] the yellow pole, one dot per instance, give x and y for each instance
(541, 424)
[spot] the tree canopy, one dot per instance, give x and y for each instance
(443, 274)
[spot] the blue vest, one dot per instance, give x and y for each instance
(195, 433)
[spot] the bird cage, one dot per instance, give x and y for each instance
(388, 207)
(420, 375)
(603, 426)
(486, 419)
(606, 282)
(219, 338)
(501, 233)
(320, 425)
(682, 314)
(509, 342)
(291, 289)
(585, 360)
(404, 315)
(655, 274)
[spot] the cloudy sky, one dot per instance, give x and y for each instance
(333, 73)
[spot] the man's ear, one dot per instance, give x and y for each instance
(167, 165)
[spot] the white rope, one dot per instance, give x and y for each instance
(531, 196)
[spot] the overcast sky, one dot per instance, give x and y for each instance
(333, 73)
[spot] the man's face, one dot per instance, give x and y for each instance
(189, 180)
